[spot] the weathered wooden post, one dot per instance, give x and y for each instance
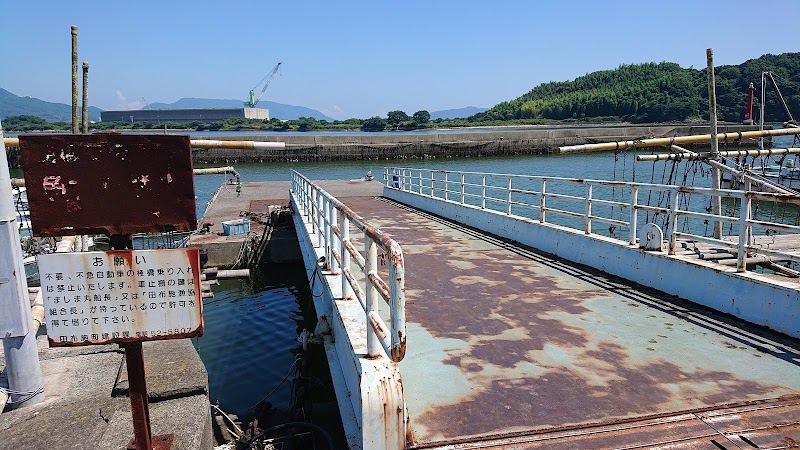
(716, 200)
(85, 107)
(74, 79)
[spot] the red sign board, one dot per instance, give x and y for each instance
(108, 183)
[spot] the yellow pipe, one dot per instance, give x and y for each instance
(678, 140)
(20, 182)
(200, 143)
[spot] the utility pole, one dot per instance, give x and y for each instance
(716, 200)
(16, 323)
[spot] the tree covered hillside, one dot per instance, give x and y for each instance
(658, 92)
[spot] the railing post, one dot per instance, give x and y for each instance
(344, 229)
(397, 304)
(326, 228)
(446, 187)
(462, 188)
(588, 215)
(748, 186)
(374, 347)
(508, 200)
(483, 193)
(299, 190)
(334, 239)
(744, 233)
(309, 204)
(634, 214)
(542, 202)
(673, 221)
(431, 184)
(420, 182)
(320, 220)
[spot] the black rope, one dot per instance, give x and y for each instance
(277, 429)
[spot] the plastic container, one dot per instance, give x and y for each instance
(234, 227)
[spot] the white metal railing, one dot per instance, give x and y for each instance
(502, 193)
(331, 221)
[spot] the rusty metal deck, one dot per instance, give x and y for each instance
(510, 347)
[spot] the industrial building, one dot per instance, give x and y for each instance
(159, 116)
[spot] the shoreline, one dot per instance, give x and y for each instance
(571, 125)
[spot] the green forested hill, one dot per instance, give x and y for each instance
(14, 105)
(658, 92)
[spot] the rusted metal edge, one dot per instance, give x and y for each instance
(389, 245)
(586, 426)
(396, 289)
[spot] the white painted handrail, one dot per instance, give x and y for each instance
(497, 192)
(331, 221)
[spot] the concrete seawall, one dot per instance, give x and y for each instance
(440, 145)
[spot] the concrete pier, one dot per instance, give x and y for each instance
(86, 404)
(254, 199)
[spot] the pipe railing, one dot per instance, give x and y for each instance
(201, 144)
(502, 193)
(331, 221)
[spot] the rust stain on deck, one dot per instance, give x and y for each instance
(530, 344)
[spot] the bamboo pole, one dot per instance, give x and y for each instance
(74, 79)
(722, 167)
(725, 154)
(677, 140)
(244, 145)
(85, 107)
(716, 201)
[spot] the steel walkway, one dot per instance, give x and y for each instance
(509, 347)
(505, 341)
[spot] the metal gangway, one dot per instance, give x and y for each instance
(528, 312)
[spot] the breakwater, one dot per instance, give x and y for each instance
(412, 145)
(314, 147)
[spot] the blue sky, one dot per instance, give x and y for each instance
(360, 59)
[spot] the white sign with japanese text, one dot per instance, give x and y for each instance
(121, 296)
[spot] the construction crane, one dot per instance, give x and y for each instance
(253, 100)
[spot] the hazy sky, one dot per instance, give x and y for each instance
(360, 59)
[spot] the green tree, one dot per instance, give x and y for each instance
(395, 117)
(421, 116)
(374, 124)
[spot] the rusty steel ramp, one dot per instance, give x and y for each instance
(512, 348)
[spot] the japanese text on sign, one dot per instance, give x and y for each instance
(121, 296)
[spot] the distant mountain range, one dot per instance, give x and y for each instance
(14, 105)
(276, 110)
(457, 113)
